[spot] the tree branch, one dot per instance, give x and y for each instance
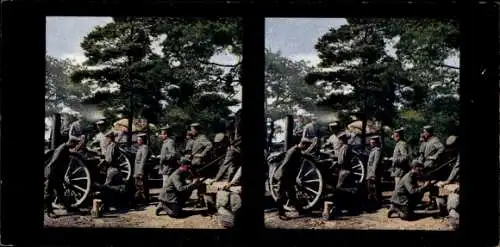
(221, 65)
(447, 66)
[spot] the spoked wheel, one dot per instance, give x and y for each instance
(125, 167)
(358, 170)
(309, 185)
(76, 183)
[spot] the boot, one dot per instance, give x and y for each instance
(391, 211)
(159, 208)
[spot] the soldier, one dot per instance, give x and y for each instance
(400, 156)
(54, 174)
(346, 191)
(168, 162)
(140, 174)
(431, 152)
(453, 198)
(76, 130)
(286, 174)
(228, 201)
(373, 173)
(201, 146)
(407, 193)
(189, 142)
(177, 191)
(333, 140)
(298, 129)
(114, 189)
(101, 126)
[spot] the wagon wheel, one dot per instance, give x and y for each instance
(76, 183)
(309, 185)
(358, 170)
(125, 166)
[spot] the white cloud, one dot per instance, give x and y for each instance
(311, 58)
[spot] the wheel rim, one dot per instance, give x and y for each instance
(309, 186)
(125, 167)
(76, 183)
(358, 170)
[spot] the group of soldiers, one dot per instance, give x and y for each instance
(348, 195)
(183, 171)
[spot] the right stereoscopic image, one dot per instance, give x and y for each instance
(362, 123)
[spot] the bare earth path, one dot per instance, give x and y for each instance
(146, 219)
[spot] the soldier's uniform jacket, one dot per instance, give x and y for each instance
(298, 130)
(373, 164)
(103, 141)
(177, 190)
(167, 155)
(230, 165)
(344, 156)
(75, 129)
(400, 159)
(407, 189)
(431, 151)
(334, 141)
(310, 131)
(141, 158)
(201, 146)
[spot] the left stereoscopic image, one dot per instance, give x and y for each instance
(142, 119)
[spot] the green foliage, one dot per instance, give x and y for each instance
(179, 86)
(59, 91)
(285, 85)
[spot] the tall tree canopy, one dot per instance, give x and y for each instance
(179, 84)
(285, 86)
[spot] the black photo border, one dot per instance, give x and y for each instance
(23, 48)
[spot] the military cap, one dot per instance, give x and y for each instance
(314, 118)
(450, 140)
(73, 139)
(334, 124)
(100, 122)
(428, 128)
(142, 135)
(219, 137)
(196, 125)
(110, 134)
(416, 163)
(376, 137)
(165, 127)
(399, 131)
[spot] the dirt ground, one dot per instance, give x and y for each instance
(145, 218)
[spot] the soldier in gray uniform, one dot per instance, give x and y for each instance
(168, 157)
(407, 193)
(400, 156)
(373, 173)
(114, 189)
(177, 191)
(298, 129)
(54, 175)
(454, 197)
(431, 153)
(140, 173)
(201, 146)
(346, 195)
(100, 137)
(286, 174)
(311, 130)
(76, 130)
(333, 140)
(189, 142)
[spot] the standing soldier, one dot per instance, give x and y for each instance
(400, 157)
(311, 133)
(189, 142)
(100, 137)
(168, 162)
(431, 152)
(76, 130)
(140, 173)
(201, 146)
(54, 176)
(333, 140)
(373, 173)
(199, 154)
